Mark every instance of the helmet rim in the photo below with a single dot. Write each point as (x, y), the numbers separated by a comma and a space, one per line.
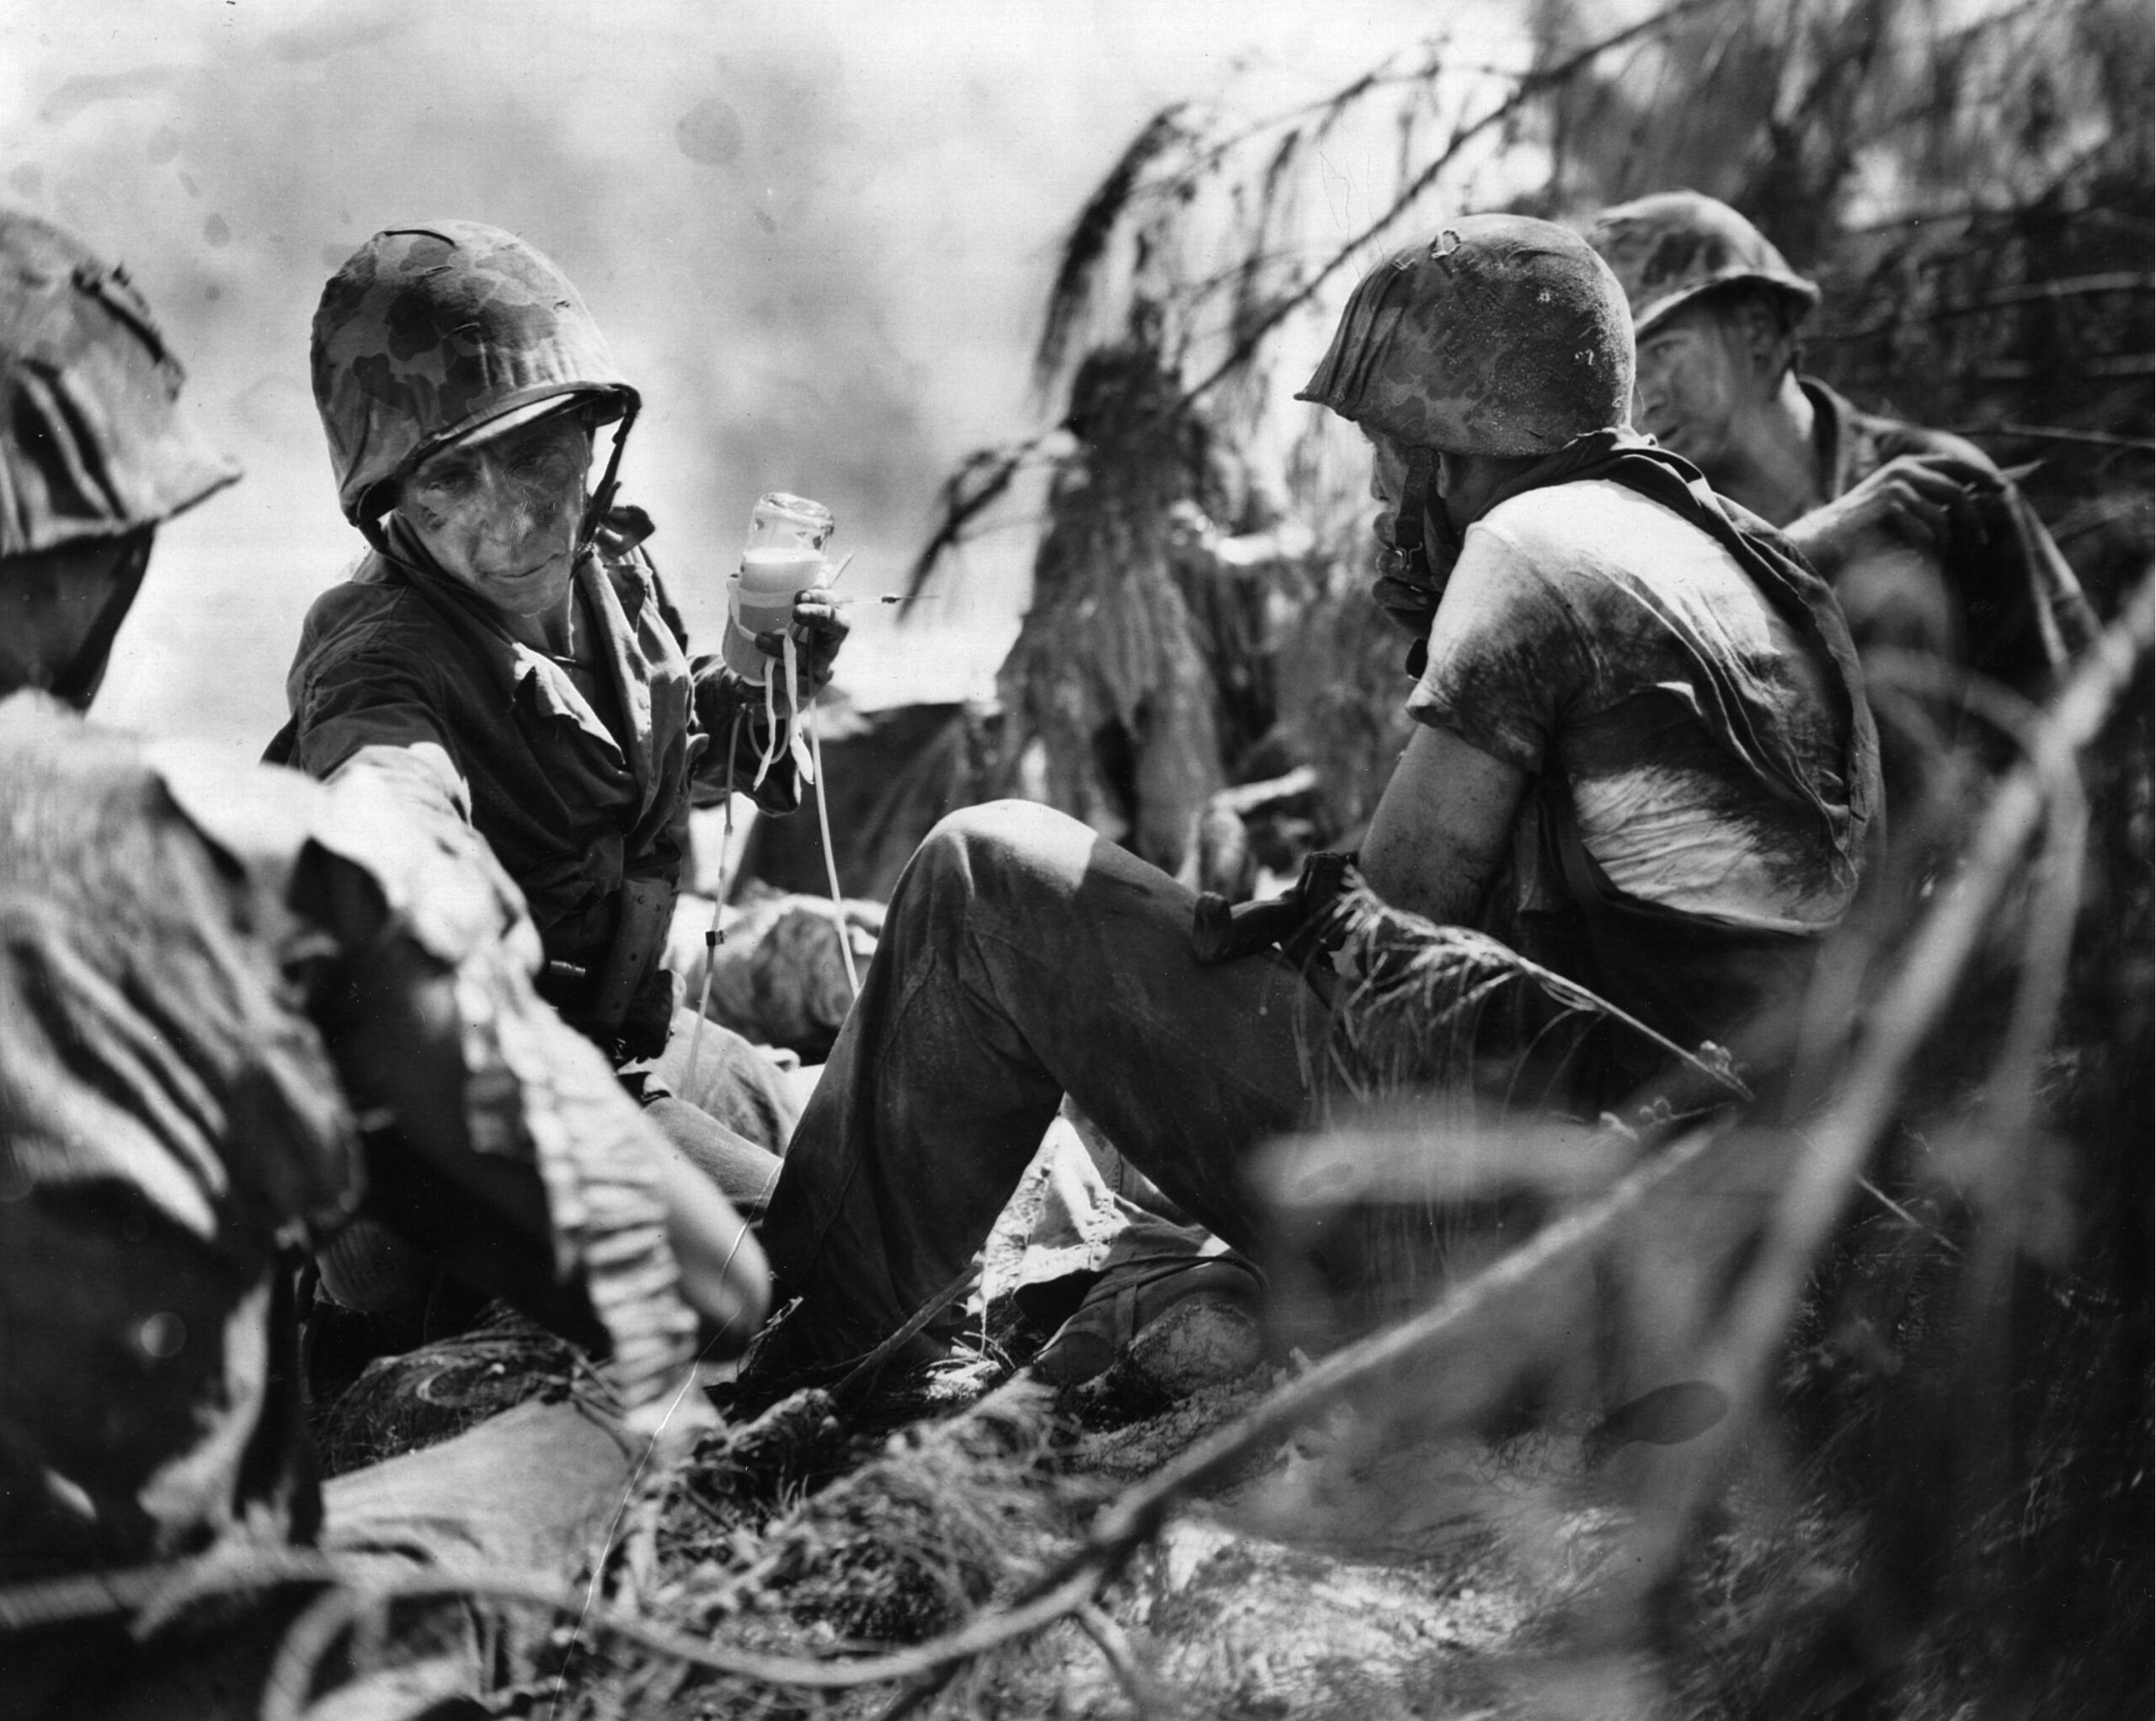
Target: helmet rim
(84, 363)
(1669, 248)
(1499, 334)
(430, 332)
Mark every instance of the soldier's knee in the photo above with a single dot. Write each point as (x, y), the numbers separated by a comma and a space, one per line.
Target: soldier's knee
(995, 849)
(974, 835)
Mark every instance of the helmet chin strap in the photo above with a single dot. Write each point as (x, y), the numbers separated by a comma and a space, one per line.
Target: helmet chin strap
(602, 499)
(594, 508)
(1421, 505)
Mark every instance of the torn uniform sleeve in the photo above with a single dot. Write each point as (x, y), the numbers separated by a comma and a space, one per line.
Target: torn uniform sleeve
(496, 1134)
(1504, 656)
(367, 716)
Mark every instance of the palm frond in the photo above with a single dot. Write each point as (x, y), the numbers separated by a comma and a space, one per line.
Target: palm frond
(981, 478)
(1086, 245)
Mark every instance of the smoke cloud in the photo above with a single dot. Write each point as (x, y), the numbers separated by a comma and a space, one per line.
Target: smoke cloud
(816, 234)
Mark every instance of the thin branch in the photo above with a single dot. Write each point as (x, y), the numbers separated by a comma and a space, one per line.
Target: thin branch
(1530, 87)
(1901, 1021)
(1375, 78)
(1140, 1686)
(2054, 433)
(869, 1369)
(983, 477)
(1908, 1218)
(2121, 280)
(1133, 1517)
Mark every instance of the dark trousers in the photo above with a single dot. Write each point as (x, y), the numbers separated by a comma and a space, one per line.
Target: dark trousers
(1023, 958)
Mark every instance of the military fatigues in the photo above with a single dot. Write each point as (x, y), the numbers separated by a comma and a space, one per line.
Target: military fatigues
(224, 992)
(584, 795)
(2007, 607)
(581, 783)
(241, 1016)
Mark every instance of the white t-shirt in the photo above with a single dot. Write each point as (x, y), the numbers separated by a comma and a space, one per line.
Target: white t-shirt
(1563, 634)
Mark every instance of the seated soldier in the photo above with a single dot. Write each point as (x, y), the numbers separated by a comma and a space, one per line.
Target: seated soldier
(504, 656)
(243, 1012)
(1642, 755)
(1928, 547)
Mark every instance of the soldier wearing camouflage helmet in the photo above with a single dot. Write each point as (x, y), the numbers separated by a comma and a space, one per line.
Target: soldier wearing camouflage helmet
(1927, 545)
(506, 656)
(1641, 757)
(1497, 341)
(426, 335)
(209, 977)
(99, 456)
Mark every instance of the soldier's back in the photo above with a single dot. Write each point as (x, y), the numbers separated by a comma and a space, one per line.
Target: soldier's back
(168, 1121)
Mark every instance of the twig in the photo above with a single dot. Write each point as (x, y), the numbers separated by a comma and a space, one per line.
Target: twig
(2054, 433)
(1375, 78)
(355, 1586)
(981, 478)
(1530, 86)
(864, 1373)
(2028, 293)
(1908, 1218)
(2010, 1104)
(1136, 1514)
(1139, 1685)
(1899, 1023)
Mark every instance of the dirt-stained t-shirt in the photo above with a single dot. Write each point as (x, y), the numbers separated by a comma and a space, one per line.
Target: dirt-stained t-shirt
(1568, 637)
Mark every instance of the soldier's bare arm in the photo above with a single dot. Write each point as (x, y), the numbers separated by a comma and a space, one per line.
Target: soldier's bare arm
(1441, 829)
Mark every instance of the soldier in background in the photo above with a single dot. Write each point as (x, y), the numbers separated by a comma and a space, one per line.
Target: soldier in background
(1642, 756)
(1927, 547)
(244, 1016)
(1141, 681)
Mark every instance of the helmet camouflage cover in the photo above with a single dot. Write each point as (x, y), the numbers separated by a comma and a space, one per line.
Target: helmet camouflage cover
(1670, 248)
(427, 333)
(91, 441)
(1501, 334)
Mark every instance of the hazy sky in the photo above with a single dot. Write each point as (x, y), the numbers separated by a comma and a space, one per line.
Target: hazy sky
(817, 234)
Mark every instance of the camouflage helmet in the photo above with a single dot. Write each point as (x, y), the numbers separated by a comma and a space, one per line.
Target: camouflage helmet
(1669, 248)
(427, 333)
(1501, 334)
(91, 441)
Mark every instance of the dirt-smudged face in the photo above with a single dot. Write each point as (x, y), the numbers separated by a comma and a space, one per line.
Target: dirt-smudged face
(1388, 483)
(500, 514)
(1464, 483)
(1698, 372)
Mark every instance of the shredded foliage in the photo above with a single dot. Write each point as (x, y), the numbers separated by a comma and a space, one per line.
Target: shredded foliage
(1087, 246)
(941, 1521)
